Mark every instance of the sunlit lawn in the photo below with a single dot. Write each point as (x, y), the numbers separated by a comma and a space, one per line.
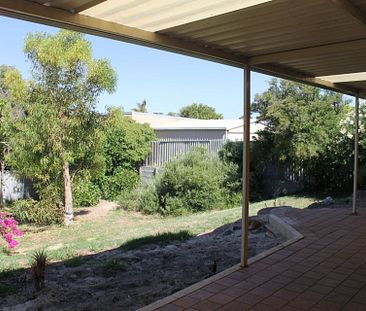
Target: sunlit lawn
(87, 236)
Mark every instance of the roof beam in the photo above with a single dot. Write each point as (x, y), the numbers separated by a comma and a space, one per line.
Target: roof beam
(344, 78)
(293, 75)
(308, 52)
(34, 12)
(350, 8)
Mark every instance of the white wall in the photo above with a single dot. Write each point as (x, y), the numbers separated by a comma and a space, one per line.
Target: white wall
(14, 189)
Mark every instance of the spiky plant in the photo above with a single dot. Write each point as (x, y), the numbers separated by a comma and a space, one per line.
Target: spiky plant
(38, 268)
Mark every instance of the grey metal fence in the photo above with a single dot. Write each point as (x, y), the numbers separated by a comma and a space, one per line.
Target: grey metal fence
(165, 150)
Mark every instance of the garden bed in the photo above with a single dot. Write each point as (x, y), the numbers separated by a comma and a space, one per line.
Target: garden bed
(126, 280)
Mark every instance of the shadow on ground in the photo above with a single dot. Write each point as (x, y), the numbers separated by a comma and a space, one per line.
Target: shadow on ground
(136, 273)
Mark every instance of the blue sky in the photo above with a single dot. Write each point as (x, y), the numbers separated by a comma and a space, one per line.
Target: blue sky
(167, 81)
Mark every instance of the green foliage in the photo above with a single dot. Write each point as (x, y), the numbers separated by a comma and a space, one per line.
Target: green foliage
(113, 185)
(5, 109)
(200, 111)
(44, 212)
(85, 192)
(301, 120)
(142, 198)
(308, 128)
(127, 143)
(38, 269)
(141, 107)
(196, 182)
(232, 153)
(112, 266)
(57, 126)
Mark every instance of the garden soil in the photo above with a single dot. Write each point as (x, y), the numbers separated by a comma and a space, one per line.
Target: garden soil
(128, 280)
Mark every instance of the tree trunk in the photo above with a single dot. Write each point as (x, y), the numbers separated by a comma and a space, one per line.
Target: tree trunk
(2, 174)
(69, 214)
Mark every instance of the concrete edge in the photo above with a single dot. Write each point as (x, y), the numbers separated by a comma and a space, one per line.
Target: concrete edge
(275, 223)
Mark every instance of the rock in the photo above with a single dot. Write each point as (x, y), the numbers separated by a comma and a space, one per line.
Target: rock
(254, 224)
(328, 201)
(324, 203)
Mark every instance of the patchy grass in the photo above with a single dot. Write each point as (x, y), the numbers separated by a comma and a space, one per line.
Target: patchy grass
(113, 266)
(124, 230)
(159, 238)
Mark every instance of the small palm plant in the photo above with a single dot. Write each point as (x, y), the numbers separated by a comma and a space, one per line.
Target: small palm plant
(38, 269)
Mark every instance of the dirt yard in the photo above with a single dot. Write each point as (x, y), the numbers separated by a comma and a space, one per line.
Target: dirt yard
(127, 280)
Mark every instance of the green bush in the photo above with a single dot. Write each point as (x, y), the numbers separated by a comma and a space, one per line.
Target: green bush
(127, 143)
(141, 198)
(85, 193)
(123, 180)
(196, 182)
(44, 212)
(232, 153)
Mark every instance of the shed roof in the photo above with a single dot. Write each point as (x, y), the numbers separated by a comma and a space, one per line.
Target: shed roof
(319, 42)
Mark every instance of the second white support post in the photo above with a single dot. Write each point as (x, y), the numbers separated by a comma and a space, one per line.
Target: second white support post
(356, 155)
(246, 172)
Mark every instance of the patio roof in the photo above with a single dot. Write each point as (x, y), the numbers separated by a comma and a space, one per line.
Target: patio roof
(302, 40)
(318, 42)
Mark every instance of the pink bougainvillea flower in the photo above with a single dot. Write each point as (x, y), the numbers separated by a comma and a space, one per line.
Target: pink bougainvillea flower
(9, 229)
(13, 244)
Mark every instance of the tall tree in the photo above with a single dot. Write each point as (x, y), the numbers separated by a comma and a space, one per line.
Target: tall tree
(126, 145)
(141, 107)
(4, 141)
(307, 127)
(59, 126)
(200, 111)
(300, 119)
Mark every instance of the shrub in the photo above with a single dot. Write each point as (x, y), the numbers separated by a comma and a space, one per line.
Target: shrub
(38, 269)
(196, 182)
(232, 153)
(127, 143)
(85, 193)
(142, 198)
(123, 180)
(44, 212)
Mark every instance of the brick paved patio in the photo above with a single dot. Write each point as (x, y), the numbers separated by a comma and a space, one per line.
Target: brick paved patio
(324, 271)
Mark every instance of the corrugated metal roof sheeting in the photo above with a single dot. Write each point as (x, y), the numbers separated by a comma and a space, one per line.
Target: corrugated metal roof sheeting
(251, 29)
(154, 15)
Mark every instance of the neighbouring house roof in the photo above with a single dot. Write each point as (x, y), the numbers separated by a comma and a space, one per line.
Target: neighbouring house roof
(160, 122)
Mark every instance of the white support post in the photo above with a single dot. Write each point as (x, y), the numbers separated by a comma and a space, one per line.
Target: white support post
(356, 155)
(246, 173)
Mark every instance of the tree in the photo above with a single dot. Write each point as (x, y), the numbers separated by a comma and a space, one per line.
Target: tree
(126, 145)
(306, 126)
(200, 111)
(302, 119)
(4, 143)
(141, 107)
(58, 132)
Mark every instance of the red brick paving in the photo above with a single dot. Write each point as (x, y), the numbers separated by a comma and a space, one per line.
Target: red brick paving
(324, 271)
